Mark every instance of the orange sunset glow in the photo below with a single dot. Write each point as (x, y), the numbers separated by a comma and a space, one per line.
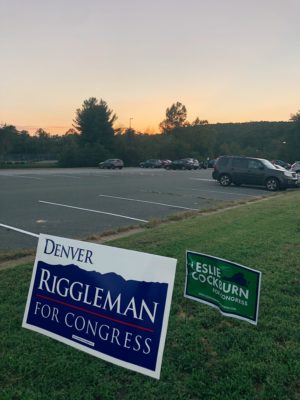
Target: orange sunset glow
(143, 57)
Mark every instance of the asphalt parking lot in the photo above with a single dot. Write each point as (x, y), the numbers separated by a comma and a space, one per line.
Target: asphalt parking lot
(77, 203)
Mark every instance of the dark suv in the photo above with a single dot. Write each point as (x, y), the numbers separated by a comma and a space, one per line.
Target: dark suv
(252, 171)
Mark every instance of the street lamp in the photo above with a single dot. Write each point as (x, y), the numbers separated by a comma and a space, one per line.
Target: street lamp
(130, 122)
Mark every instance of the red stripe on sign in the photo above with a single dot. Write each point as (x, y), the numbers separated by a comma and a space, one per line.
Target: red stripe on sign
(94, 313)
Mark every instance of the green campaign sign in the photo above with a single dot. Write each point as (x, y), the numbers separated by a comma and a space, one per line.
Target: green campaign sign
(231, 288)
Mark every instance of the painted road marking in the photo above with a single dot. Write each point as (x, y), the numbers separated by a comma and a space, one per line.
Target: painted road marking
(21, 176)
(19, 230)
(67, 176)
(202, 179)
(150, 202)
(80, 177)
(95, 211)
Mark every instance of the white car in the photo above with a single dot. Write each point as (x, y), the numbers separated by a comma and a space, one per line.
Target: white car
(112, 163)
(296, 167)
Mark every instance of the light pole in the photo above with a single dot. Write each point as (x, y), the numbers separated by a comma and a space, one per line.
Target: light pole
(130, 122)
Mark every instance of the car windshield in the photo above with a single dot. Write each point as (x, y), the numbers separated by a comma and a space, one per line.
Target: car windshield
(268, 164)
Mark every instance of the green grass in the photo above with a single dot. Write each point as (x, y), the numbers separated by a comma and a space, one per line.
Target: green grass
(207, 356)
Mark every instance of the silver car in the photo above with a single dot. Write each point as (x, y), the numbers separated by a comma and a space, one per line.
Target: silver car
(296, 167)
(112, 163)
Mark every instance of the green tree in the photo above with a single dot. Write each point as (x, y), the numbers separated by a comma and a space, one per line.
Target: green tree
(293, 138)
(128, 147)
(199, 121)
(175, 118)
(295, 117)
(8, 137)
(94, 121)
(43, 141)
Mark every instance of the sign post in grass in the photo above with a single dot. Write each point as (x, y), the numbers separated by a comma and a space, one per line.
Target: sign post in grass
(230, 287)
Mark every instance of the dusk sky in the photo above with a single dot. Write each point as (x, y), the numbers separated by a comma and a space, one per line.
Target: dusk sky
(225, 60)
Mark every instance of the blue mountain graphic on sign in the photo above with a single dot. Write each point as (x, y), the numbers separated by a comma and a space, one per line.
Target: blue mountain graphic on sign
(147, 292)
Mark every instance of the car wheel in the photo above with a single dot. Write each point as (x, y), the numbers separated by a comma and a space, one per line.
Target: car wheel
(272, 184)
(225, 180)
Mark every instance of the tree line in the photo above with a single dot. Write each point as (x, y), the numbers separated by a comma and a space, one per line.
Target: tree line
(94, 139)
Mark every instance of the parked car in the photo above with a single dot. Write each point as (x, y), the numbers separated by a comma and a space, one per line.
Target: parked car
(112, 163)
(194, 162)
(207, 163)
(281, 163)
(295, 167)
(165, 162)
(211, 163)
(184, 163)
(252, 171)
(153, 163)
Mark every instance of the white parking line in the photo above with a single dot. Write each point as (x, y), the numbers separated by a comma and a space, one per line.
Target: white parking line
(67, 176)
(150, 202)
(19, 230)
(21, 176)
(95, 211)
(202, 179)
(79, 177)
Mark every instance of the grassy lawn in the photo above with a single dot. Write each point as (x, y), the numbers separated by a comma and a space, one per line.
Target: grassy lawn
(207, 356)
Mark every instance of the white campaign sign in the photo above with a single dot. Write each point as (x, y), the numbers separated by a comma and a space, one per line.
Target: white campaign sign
(109, 302)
